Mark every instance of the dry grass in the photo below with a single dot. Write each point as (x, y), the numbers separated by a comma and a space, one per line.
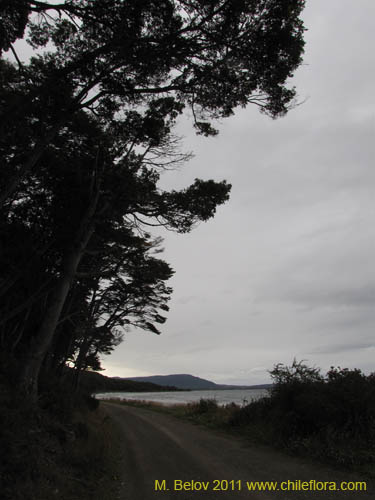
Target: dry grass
(205, 412)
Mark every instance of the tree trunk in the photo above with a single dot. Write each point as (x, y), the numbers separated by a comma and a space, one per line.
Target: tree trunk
(70, 263)
(83, 350)
(29, 377)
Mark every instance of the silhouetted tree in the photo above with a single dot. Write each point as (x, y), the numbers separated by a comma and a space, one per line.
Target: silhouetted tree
(86, 126)
(91, 191)
(109, 55)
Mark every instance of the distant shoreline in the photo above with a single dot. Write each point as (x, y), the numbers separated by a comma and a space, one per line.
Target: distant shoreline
(169, 398)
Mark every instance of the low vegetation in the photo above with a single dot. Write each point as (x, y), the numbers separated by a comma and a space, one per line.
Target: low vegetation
(61, 449)
(205, 411)
(329, 417)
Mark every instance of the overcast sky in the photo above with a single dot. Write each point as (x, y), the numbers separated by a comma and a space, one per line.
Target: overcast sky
(286, 268)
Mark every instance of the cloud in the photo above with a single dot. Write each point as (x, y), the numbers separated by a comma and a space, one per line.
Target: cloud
(286, 268)
(326, 295)
(337, 348)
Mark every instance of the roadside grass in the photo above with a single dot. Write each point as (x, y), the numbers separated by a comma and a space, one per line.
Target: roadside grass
(205, 412)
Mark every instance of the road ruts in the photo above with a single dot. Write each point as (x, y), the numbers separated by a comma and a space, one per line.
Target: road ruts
(159, 447)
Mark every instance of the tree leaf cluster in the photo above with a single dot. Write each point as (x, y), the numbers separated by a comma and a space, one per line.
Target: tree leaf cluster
(87, 129)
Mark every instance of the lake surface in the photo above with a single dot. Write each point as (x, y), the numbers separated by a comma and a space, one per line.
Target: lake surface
(238, 396)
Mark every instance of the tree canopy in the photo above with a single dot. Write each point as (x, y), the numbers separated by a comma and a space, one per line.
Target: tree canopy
(86, 130)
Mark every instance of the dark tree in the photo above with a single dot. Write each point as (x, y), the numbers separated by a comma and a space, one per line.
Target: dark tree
(86, 128)
(109, 55)
(92, 191)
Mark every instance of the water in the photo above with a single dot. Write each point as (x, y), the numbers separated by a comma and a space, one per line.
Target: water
(238, 396)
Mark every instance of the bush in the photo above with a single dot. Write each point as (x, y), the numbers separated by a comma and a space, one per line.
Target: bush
(253, 412)
(39, 442)
(203, 406)
(330, 416)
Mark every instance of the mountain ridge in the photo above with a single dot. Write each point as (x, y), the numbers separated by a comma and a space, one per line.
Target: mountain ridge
(191, 382)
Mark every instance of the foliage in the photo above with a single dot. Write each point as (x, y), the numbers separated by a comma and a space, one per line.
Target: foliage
(203, 406)
(109, 57)
(80, 221)
(86, 131)
(56, 450)
(205, 412)
(331, 417)
(297, 373)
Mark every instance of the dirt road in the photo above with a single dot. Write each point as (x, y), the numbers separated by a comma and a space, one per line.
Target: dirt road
(190, 462)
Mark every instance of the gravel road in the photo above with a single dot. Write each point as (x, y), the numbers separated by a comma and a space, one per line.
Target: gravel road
(157, 447)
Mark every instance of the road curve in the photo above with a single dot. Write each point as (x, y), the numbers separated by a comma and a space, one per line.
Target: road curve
(158, 447)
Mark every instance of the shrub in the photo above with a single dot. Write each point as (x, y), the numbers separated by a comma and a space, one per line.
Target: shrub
(203, 406)
(330, 416)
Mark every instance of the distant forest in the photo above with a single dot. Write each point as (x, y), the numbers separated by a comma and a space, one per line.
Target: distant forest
(91, 382)
(87, 128)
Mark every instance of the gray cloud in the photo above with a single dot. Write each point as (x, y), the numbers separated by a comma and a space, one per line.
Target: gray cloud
(337, 348)
(286, 268)
(327, 295)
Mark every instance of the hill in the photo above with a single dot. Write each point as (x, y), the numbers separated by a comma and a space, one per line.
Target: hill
(95, 382)
(185, 381)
